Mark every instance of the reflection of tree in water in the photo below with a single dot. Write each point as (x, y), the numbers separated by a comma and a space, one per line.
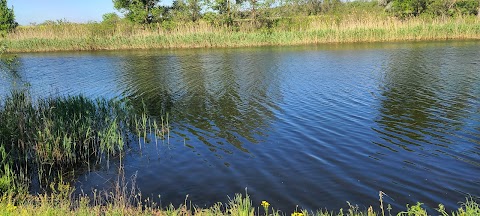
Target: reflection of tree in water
(10, 77)
(143, 85)
(426, 98)
(218, 97)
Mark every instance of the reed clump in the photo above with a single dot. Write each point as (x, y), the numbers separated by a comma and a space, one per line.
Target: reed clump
(350, 26)
(50, 137)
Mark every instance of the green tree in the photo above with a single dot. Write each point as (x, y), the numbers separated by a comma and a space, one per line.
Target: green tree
(186, 10)
(467, 7)
(110, 18)
(260, 11)
(140, 11)
(441, 7)
(7, 18)
(225, 6)
(179, 10)
(194, 8)
(221, 6)
(406, 8)
(227, 9)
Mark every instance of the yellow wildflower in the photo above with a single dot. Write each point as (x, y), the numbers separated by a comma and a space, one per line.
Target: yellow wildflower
(297, 214)
(265, 204)
(11, 207)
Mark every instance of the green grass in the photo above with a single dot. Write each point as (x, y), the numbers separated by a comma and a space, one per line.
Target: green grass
(125, 201)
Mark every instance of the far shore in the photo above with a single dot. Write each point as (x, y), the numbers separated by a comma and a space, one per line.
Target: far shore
(321, 29)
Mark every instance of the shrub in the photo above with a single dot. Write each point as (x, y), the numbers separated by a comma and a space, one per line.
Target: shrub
(467, 7)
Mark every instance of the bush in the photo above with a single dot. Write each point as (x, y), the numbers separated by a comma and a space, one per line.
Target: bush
(407, 8)
(211, 18)
(467, 7)
(441, 8)
(110, 19)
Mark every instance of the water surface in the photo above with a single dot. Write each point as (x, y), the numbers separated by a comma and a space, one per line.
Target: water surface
(313, 126)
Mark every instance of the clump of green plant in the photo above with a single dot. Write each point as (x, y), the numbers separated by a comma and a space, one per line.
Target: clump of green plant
(53, 136)
(241, 206)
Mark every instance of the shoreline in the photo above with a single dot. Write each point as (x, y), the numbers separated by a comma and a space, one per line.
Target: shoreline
(318, 30)
(53, 50)
(120, 201)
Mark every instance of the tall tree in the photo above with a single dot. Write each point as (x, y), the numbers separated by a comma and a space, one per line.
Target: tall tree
(194, 7)
(186, 9)
(139, 11)
(405, 8)
(228, 9)
(7, 18)
(225, 6)
(254, 7)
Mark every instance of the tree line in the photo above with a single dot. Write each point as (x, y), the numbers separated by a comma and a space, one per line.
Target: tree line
(220, 11)
(150, 11)
(409, 8)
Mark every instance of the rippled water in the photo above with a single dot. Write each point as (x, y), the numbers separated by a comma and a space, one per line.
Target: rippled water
(313, 126)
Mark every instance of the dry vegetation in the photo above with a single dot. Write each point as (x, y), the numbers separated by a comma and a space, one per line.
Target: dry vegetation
(359, 26)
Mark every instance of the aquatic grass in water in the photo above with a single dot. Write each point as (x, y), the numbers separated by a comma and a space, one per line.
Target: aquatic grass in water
(56, 135)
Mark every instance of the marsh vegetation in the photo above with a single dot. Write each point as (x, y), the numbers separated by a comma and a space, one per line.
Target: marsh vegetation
(50, 138)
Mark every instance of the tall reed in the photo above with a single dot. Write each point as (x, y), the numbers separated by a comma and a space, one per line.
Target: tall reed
(56, 135)
(355, 26)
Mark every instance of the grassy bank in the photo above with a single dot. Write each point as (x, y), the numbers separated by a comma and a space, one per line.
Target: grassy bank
(354, 26)
(123, 201)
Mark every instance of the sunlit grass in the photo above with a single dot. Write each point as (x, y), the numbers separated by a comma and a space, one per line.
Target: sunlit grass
(124, 201)
(357, 26)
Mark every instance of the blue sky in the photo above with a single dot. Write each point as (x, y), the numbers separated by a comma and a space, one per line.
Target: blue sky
(29, 11)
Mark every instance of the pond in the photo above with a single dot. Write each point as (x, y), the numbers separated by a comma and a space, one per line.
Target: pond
(313, 126)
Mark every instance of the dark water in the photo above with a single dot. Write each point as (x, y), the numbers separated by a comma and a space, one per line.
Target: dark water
(313, 126)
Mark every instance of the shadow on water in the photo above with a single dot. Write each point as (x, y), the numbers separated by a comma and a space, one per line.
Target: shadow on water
(216, 98)
(428, 113)
(427, 98)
